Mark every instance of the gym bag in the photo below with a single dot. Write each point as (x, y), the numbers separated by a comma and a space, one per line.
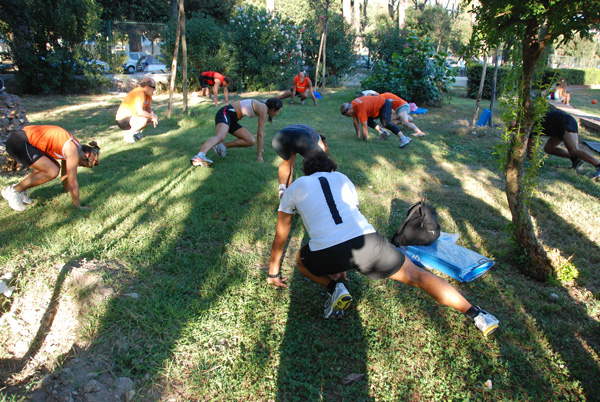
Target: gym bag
(420, 228)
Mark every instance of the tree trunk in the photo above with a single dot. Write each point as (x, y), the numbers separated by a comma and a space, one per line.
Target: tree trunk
(480, 93)
(174, 63)
(135, 39)
(401, 13)
(494, 81)
(184, 54)
(319, 60)
(524, 232)
(347, 11)
(325, 47)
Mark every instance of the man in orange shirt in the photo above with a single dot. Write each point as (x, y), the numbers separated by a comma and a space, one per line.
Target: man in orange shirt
(135, 113)
(401, 110)
(215, 80)
(301, 86)
(365, 110)
(38, 147)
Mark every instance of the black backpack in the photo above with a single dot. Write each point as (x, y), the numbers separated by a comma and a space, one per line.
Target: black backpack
(420, 228)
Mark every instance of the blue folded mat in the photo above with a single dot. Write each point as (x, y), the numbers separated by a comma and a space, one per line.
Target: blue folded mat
(317, 95)
(419, 110)
(446, 256)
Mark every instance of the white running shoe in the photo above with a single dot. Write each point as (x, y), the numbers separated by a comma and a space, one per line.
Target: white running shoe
(201, 160)
(486, 322)
(137, 136)
(404, 141)
(338, 302)
(14, 198)
(25, 197)
(128, 138)
(220, 150)
(384, 135)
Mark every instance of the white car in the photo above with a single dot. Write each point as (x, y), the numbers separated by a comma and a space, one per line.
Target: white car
(152, 64)
(132, 61)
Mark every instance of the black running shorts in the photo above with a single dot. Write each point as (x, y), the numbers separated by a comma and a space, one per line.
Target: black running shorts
(296, 139)
(124, 123)
(18, 146)
(371, 255)
(228, 115)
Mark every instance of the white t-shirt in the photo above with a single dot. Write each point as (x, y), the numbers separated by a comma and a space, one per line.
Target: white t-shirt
(306, 197)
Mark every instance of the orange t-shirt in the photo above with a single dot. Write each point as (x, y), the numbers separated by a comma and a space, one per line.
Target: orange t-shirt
(367, 106)
(396, 100)
(301, 86)
(127, 108)
(51, 140)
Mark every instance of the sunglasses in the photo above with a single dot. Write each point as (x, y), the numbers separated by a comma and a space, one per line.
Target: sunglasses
(152, 87)
(346, 111)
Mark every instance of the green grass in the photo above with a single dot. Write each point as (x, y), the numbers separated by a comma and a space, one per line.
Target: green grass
(194, 244)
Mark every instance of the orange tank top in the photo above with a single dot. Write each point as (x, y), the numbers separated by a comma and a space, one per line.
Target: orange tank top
(51, 140)
(301, 86)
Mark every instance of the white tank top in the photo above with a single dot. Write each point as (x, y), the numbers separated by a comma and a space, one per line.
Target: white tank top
(246, 106)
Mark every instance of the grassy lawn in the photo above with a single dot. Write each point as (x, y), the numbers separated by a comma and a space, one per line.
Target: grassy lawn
(194, 244)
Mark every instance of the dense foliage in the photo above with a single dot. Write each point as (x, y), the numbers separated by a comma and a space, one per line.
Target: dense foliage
(45, 38)
(413, 71)
(340, 45)
(474, 71)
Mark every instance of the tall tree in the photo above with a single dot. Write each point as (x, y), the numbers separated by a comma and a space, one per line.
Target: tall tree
(539, 23)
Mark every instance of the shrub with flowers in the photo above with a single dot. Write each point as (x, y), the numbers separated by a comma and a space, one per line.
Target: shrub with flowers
(409, 67)
(266, 49)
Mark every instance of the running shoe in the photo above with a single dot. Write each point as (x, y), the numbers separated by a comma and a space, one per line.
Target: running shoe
(137, 136)
(486, 322)
(201, 160)
(25, 197)
(220, 150)
(597, 174)
(384, 135)
(14, 198)
(338, 302)
(404, 141)
(576, 162)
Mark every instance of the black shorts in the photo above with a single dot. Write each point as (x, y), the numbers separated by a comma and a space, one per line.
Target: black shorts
(298, 139)
(555, 123)
(203, 83)
(300, 94)
(18, 146)
(228, 115)
(124, 123)
(371, 255)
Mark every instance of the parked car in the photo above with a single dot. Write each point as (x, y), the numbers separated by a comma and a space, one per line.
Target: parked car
(151, 64)
(101, 65)
(132, 62)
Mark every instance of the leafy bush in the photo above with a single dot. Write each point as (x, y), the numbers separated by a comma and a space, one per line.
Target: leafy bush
(206, 48)
(414, 71)
(340, 42)
(265, 48)
(474, 71)
(586, 76)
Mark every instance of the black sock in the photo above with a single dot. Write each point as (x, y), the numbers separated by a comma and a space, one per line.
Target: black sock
(472, 312)
(331, 287)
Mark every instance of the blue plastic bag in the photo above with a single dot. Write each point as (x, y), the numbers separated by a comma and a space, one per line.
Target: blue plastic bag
(446, 256)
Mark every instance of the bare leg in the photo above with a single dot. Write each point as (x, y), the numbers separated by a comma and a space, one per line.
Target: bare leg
(435, 286)
(44, 170)
(244, 139)
(221, 131)
(571, 141)
(137, 123)
(286, 170)
(406, 122)
(286, 94)
(321, 280)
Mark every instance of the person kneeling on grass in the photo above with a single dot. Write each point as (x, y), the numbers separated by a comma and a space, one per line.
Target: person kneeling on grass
(134, 113)
(226, 121)
(341, 239)
(36, 147)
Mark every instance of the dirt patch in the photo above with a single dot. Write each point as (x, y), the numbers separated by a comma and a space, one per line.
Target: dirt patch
(43, 328)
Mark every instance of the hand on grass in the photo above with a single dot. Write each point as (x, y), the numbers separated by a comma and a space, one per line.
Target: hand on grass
(278, 282)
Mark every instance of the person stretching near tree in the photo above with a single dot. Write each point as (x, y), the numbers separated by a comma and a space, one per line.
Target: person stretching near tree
(562, 128)
(226, 121)
(401, 109)
(215, 80)
(301, 86)
(365, 110)
(37, 147)
(291, 140)
(341, 239)
(134, 113)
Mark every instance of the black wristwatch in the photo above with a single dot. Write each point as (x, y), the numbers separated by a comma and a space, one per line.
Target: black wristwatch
(277, 275)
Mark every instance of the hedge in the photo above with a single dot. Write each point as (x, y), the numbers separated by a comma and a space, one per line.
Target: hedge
(474, 78)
